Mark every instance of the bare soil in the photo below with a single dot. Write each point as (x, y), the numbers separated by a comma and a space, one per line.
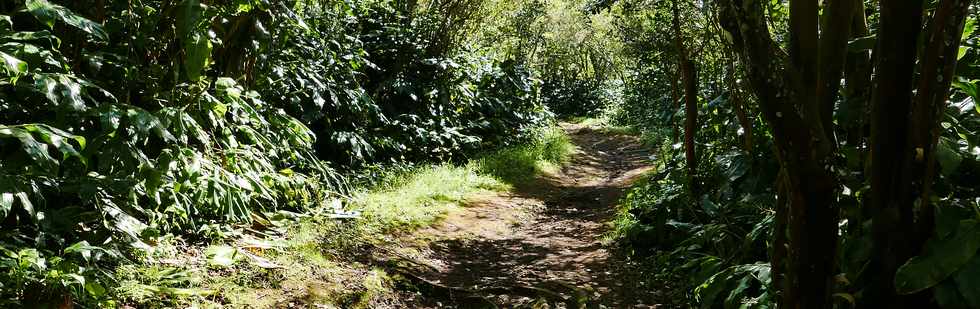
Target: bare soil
(547, 234)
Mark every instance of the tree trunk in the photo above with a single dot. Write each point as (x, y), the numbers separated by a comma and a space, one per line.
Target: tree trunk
(675, 95)
(905, 130)
(778, 255)
(787, 93)
(836, 26)
(891, 102)
(691, 121)
(739, 106)
(936, 69)
(689, 75)
(857, 83)
(799, 107)
(743, 120)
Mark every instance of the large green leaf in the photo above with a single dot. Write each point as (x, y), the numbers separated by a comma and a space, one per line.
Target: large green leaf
(84, 249)
(222, 256)
(37, 151)
(970, 87)
(37, 57)
(968, 282)
(57, 138)
(949, 159)
(6, 204)
(61, 89)
(197, 55)
(962, 52)
(145, 122)
(6, 24)
(44, 36)
(942, 257)
(35, 139)
(48, 13)
(12, 66)
(189, 14)
(948, 296)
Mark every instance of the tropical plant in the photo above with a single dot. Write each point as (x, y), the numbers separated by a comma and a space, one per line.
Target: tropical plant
(857, 170)
(122, 122)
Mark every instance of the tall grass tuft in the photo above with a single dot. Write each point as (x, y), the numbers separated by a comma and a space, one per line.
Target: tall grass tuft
(550, 149)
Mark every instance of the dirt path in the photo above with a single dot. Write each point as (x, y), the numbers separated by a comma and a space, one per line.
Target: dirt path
(548, 234)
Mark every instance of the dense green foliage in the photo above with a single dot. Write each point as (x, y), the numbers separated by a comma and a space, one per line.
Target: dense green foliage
(121, 122)
(719, 240)
(569, 45)
(125, 123)
(388, 89)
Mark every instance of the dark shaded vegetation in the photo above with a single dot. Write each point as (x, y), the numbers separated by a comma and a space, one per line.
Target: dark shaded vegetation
(830, 159)
(122, 122)
(812, 154)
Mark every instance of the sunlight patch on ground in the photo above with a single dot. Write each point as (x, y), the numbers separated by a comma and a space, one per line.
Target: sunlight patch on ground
(319, 261)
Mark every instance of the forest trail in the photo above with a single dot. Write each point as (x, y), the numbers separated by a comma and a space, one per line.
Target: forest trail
(546, 236)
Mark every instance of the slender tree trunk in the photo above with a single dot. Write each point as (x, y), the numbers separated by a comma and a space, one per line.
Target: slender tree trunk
(905, 131)
(739, 106)
(689, 75)
(99, 11)
(903, 138)
(691, 121)
(743, 120)
(857, 82)
(936, 69)
(778, 255)
(836, 26)
(891, 102)
(675, 95)
(786, 90)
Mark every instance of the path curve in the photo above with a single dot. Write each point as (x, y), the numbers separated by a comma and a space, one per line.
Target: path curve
(548, 232)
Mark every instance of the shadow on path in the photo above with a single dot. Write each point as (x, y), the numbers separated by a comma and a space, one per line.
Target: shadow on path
(550, 230)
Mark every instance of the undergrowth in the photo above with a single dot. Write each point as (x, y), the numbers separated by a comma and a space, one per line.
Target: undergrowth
(710, 248)
(518, 165)
(303, 260)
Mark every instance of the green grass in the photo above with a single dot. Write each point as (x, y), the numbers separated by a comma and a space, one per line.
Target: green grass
(317, 254)
(422, 198)
(518, 165)
(604, 125)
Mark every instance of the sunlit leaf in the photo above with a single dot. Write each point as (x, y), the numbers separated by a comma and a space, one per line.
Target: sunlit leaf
(62, 90)
(969, 26)
(197, 55)
(95, 289)
(6, 24)
(6, 203)
(48, 13)
(942, 257)
(26, 204)
(13, 67)
(36, 150)
(145, 122)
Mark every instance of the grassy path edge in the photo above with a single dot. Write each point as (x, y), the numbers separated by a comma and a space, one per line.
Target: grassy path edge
(317, 262)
